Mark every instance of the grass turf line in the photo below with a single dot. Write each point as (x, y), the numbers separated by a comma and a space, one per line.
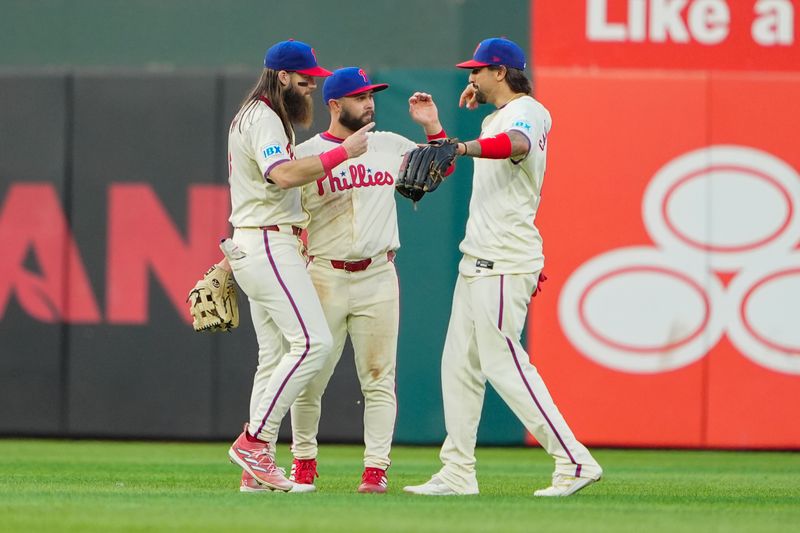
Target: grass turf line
(131, 486)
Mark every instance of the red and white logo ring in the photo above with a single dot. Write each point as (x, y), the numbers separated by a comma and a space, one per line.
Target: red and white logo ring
(656, 309)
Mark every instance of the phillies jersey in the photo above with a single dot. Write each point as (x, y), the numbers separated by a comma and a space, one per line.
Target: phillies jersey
(257, 143)
(352, 208)
(501, 237)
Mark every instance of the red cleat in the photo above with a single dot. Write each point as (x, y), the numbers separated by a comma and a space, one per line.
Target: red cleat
(256, 459)
(373, 481)
(249, 484)
(303, 473)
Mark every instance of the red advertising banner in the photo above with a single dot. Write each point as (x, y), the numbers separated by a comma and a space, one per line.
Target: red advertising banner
(668, 34)
(671, 221)
(671, 237)
(142, 240)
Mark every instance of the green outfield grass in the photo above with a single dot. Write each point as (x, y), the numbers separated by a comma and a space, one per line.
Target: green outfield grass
(113, 486)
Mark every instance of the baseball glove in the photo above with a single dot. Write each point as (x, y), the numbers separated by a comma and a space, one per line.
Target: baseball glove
(212, 302)
(423, 168)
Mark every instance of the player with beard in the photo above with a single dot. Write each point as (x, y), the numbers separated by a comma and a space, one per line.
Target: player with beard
(352, 240)
(498, 274)
(265, 253)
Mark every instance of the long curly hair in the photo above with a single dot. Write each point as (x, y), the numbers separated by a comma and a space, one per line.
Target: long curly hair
(270, 87)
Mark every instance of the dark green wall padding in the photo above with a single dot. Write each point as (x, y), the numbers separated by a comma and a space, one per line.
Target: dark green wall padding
(216, 33)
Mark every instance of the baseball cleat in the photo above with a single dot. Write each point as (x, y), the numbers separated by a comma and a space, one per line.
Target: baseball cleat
(565, 485)
(303, 473)
(249, 484)
(256, 459)
(436, 487)
(373, 481)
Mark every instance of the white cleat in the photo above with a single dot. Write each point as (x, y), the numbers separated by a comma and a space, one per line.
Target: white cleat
(436, 487)
(303, 487)
(565, 486)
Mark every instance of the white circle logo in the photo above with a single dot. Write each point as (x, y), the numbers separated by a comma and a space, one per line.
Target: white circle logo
(729, 204)
(764, 315)
(641, 310)
(656, 309)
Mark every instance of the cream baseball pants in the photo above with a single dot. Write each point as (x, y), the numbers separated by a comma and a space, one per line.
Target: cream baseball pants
(365, 305)
(483, 344)
(294, 341)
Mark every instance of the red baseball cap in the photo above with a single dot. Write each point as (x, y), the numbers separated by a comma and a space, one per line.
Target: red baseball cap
(294, 56)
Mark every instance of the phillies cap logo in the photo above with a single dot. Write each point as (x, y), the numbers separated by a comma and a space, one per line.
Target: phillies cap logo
(348, 81)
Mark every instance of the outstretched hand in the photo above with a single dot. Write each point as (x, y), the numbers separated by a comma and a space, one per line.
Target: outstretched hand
(356, 144)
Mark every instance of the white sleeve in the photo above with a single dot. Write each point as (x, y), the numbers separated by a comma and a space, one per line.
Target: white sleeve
(269, 144)
(527, 123)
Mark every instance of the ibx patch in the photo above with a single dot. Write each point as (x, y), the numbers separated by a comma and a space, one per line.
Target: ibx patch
(271, 150)
(522, 124)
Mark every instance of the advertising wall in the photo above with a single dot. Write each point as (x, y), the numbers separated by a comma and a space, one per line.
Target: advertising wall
(671, 220)
(670, 217)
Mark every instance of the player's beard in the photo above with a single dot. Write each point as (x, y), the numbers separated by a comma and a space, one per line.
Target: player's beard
(480, 96)
(300, 107)
(354, 123)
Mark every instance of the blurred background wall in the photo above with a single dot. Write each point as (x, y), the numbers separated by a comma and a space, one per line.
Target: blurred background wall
(670, 213)
(113, 195)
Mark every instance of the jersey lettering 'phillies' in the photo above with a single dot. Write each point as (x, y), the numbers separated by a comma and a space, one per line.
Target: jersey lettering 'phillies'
(356, 176)
(352, 208)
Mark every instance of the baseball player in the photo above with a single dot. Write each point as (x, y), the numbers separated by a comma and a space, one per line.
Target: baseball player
(352, 240)
(265, 252)
(498, 274)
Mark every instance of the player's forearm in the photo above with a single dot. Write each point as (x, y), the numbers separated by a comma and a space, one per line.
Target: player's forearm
(439, 134)
(502, 146)
(297, 172)
(433, 129)
(520, 144)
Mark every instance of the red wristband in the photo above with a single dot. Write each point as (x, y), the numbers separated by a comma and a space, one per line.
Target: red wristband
(497, 147)
(440, 135)
(333, 158)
